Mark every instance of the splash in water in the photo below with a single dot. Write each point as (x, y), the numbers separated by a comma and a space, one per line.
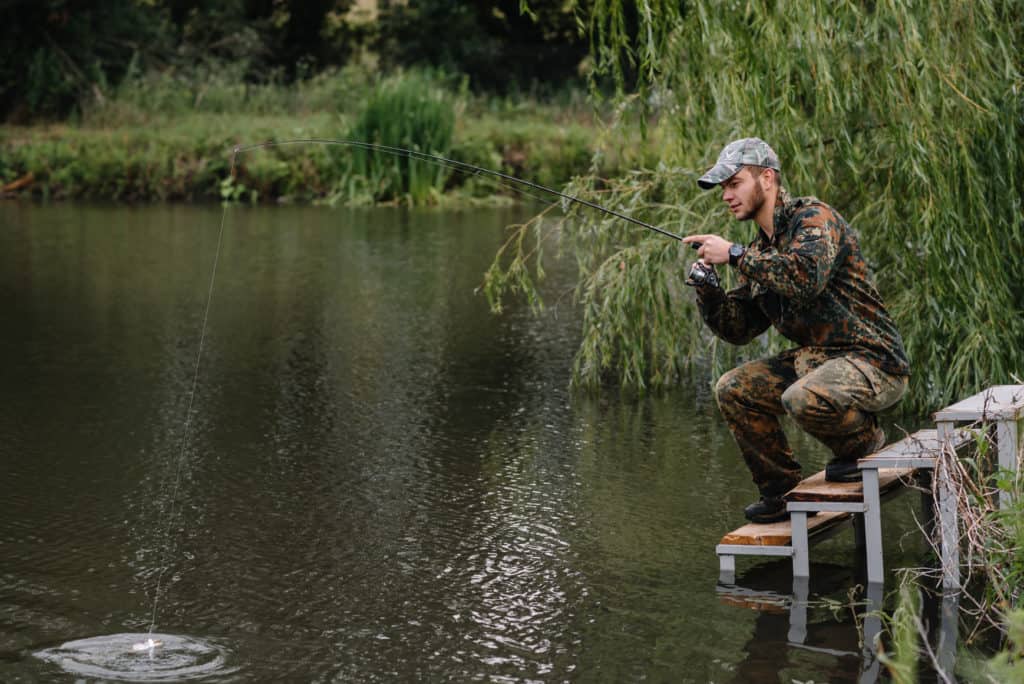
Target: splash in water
(140, 658)
(147, 645)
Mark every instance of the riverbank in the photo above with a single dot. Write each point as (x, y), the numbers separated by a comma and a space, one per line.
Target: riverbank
(148, 144)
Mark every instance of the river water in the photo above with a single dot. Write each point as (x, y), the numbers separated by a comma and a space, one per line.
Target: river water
(380, 479)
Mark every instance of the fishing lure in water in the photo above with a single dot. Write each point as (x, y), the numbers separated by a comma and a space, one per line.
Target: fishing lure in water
(147, 645)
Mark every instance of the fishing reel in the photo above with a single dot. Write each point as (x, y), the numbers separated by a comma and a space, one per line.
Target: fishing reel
(703, 275)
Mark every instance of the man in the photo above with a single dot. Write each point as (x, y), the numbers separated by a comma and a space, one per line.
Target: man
(804, 274)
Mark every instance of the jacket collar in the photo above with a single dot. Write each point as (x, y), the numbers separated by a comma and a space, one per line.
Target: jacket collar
(785, 205)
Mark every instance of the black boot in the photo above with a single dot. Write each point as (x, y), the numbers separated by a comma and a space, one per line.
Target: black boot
(768, 510)
(846, 470)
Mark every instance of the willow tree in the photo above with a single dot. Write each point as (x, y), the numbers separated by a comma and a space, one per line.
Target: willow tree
(906, 116)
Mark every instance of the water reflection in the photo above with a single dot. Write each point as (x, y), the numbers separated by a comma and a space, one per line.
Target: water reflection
(381, 480)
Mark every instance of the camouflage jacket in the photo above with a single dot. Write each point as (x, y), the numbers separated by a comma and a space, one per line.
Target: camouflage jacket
(811, 282)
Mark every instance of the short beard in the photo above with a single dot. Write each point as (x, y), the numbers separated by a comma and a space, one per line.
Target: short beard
(758, 203)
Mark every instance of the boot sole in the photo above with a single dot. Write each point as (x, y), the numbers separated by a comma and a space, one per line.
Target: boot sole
(845, 479)
(778, 517)
(767, 519)
(844, 476)
(855, 476)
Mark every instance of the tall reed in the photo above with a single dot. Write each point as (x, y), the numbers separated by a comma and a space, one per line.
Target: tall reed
(410, 111)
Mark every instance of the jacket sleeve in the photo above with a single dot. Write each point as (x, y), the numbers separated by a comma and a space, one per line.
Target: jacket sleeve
(732, 315)
(803, 271)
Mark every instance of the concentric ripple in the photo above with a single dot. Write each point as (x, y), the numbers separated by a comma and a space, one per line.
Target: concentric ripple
(114, 657)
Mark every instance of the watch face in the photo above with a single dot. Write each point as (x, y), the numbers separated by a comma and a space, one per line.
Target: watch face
(735, 252)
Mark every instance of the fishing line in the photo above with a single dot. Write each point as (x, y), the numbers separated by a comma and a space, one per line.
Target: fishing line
(516, 184)
(188, 417)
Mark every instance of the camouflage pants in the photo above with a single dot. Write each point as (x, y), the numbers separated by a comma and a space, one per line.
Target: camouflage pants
(832, 398)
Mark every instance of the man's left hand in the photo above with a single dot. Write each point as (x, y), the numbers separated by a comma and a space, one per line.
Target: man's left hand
(713, 249)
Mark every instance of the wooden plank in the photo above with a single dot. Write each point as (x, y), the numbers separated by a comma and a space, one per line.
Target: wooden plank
(780, 533)
(815, 488)
(921, 443)
(1002, 402)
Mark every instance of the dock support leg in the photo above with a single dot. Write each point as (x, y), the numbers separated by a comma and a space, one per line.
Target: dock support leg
(873, 526)
(858, 532)
(1007, 440)
(873, 607)
(798, 611)
(727, 569)
(948, 516)
(801, 550)
(924, 481)
(948, 634)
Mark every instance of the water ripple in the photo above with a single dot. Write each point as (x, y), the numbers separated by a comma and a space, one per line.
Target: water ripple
(116, 657)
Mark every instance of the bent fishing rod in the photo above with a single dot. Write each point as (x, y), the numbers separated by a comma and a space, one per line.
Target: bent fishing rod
(455, 164)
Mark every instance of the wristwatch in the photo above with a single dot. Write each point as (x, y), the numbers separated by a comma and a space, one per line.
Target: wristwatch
(736, 252)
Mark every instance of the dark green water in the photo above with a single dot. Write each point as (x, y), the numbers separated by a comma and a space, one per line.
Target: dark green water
(382, 480)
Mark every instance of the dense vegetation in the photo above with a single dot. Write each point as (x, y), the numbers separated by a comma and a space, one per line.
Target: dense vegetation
(908, 118)
(139, 100)
(61, 56)
(154, 140)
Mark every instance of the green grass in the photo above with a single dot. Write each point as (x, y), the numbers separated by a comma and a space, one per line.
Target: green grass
(165, 139)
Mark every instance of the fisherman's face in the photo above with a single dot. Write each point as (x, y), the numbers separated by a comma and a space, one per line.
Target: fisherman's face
(744, 194)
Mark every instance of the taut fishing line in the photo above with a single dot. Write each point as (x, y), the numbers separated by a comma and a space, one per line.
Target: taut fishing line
(517, 184)
(152, 656)
(148, 656)
(150, 643)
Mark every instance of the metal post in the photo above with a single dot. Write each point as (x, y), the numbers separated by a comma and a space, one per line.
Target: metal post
(871, 667)
(873, 525)
(798, 610)
(727, 569)
(948, 516)
(858, 532)
(949, 627)
(801, 549)
(1007, 440)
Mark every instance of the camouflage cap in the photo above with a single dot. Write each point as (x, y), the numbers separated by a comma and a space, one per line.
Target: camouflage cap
(736, 155)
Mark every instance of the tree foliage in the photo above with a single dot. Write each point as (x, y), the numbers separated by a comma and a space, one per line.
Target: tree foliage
(496, 44)
(908, 117)
(60, 53)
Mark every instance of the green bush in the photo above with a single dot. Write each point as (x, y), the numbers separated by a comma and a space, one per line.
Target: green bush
(410, 111)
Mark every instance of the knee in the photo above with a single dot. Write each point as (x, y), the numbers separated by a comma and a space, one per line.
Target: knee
(801, 402)
(728, 389)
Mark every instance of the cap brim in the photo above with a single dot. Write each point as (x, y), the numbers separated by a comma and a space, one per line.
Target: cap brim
(717, 174)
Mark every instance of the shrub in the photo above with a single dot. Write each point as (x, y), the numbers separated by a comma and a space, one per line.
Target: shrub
(410, 111)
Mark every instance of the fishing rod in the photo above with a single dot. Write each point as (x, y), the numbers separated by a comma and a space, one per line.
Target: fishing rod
(455, 164)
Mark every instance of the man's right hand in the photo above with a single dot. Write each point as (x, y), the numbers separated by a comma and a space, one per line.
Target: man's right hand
(713, 248)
